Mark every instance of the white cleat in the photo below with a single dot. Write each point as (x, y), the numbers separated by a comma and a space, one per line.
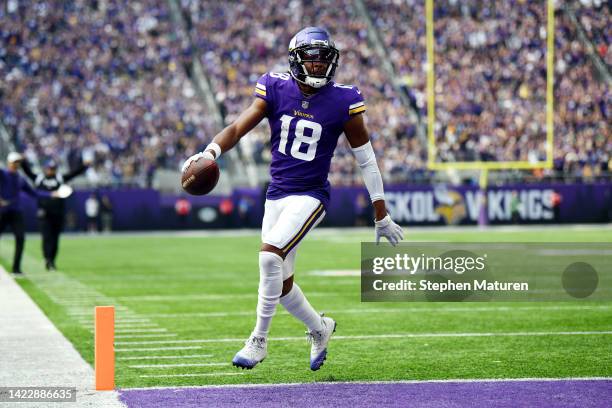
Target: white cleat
(319, 339)
(254, 352)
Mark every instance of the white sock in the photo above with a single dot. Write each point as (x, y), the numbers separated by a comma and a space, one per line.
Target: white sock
(270, 289)
(296, 303)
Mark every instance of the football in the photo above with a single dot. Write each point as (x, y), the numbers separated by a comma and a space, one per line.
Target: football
(200, 177)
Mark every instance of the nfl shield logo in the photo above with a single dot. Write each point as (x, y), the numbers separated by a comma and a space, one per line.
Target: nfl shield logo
(305, 104)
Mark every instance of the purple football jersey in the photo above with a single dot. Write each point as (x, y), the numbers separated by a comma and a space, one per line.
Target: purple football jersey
(305, 131)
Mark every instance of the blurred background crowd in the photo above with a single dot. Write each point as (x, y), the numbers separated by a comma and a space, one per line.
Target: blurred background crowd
(106, 76)
(113, 79)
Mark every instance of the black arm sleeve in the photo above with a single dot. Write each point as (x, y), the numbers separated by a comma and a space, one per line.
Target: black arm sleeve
(27, 169)
(74, 173)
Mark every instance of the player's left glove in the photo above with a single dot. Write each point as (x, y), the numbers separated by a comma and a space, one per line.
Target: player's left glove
(206, 155)
(388, 229)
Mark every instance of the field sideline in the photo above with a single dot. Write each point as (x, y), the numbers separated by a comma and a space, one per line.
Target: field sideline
(186, 302)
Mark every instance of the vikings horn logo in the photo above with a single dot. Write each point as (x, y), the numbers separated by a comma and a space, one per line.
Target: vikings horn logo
(451, 206)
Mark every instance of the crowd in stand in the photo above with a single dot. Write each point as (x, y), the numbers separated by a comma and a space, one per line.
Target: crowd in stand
(104, 76)
(595, 17)
(490, 71)
(113, 77)
(583, 108)
(490, 81)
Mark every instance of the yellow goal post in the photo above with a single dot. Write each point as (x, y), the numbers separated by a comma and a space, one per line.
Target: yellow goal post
(432, 164)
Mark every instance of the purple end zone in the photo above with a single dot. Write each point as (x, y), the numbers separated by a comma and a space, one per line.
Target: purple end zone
(530, 393)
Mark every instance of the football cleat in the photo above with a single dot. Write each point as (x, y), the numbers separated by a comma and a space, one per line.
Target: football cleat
(253, 352)
(318, 340)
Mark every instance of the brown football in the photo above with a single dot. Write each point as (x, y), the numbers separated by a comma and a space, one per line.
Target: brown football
(200, 177)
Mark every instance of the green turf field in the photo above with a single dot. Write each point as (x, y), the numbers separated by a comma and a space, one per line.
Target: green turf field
(192, 300)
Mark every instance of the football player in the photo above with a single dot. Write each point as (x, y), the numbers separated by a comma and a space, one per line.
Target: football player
(307, 113)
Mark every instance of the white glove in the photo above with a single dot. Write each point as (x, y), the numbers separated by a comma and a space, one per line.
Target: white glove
(388, 229)
(206, 155)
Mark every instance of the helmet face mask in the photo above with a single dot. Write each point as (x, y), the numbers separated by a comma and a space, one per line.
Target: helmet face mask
(313, 47)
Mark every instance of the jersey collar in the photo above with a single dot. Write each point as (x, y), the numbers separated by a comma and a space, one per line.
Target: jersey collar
(297, 93)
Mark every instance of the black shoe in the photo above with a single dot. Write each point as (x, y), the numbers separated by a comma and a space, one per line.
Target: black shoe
(50, 266)
(17, 273)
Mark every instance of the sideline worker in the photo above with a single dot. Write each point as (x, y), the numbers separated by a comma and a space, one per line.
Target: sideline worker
(51, 210)
(11, 185)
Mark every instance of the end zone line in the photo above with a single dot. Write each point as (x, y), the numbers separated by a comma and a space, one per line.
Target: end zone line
(331, 384)
(380, 336)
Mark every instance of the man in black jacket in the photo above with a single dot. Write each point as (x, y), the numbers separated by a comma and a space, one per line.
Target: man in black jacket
(51, 210)
(11, 215)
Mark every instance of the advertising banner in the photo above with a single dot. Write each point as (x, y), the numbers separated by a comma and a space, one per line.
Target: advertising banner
(147, 209)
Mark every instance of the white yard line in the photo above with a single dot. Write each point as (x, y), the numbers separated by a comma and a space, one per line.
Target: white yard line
(381, 336)
(178, 365)
(127, 350)
(119, 319)
(69, 292)
(120, 324)
(89, 313)
(157, 329)
(468, 309)
(204, 296)
(188, 375)
(368, 232)
(164, 357)
(144, 336)
(206, 314)
(37, 354)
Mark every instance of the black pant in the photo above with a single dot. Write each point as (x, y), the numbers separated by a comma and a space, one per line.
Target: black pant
(14, 218)
(51, 227)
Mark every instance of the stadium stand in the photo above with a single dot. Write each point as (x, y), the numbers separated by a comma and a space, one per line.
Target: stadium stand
(595, 18)
(117, 80)
(104, 75)
(583, 108)
(490, 81)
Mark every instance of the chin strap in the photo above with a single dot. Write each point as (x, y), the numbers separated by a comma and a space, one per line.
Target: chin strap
(316, 82)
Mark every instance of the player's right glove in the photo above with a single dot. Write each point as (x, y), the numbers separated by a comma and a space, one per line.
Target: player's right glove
(214, 147)
(206, 155)
(388, 229)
